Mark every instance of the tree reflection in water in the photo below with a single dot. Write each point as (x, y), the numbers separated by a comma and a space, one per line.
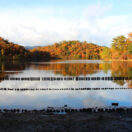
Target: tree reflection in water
(11, 67)
(117, 69)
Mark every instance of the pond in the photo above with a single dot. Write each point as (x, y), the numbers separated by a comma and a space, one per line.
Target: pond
(39, 94)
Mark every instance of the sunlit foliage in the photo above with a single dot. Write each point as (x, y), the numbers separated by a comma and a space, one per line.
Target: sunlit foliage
(72, 49)
(121, 49)
(9, 50)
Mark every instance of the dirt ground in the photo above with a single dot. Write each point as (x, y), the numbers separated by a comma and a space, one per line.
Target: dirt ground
(71, 122)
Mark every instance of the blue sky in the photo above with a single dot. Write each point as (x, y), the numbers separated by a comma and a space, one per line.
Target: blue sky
(42, 22)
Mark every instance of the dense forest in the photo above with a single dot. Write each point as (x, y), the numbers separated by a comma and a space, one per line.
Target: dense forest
(9, 50)
(71, 49)
(121, 49)
(64, 49)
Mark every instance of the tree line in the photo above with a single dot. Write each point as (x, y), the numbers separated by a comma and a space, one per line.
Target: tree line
(121, 49)
(11, 51)
(71, 49)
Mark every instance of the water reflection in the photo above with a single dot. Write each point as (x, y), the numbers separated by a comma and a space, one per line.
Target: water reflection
(80, 98)
(69, 69)
(76, 99)
(118, 69)
(72, 68)
(9, 68)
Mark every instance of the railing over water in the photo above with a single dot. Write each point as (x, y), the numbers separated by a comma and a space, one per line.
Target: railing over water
(61, 89)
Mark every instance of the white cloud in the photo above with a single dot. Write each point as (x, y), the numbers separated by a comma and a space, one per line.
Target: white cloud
(96, 10)
(43, 26)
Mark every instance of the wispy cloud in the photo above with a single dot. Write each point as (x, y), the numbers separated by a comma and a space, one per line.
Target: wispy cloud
(41, 26)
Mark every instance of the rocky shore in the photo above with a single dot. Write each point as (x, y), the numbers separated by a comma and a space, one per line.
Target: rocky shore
(81, 121)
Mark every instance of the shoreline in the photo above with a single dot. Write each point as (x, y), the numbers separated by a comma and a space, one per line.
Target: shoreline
(77, 122)
(117, 60)
(59, 59)
(67, 110)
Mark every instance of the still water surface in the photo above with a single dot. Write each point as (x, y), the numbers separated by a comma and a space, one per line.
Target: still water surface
(38, 99)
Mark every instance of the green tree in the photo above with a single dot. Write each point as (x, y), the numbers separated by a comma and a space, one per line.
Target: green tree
(129, 41)
(119, 43)
(130, 48)
(106, 53)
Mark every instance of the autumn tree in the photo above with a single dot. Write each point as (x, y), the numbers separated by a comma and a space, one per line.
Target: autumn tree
(9, 50)
(72, 49)
(129, 41)
(120, 48)
(106, 53)
(119, 43)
